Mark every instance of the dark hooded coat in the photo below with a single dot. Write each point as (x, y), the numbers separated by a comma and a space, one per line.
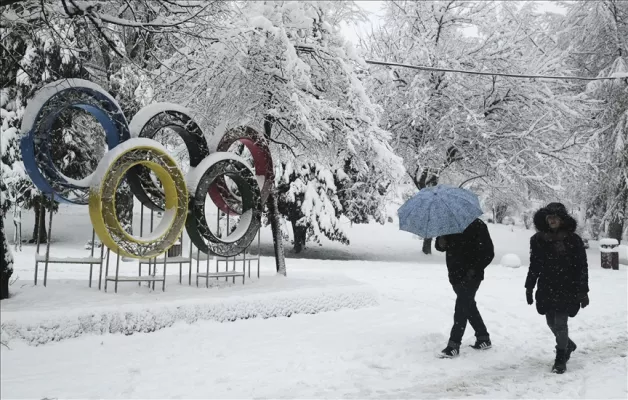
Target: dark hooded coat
(468, 253)
(558, 263)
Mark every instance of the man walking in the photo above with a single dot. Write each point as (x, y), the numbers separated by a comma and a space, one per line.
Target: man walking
(468, 254)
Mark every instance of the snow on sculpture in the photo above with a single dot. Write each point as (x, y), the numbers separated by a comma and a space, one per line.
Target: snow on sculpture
(133, 153)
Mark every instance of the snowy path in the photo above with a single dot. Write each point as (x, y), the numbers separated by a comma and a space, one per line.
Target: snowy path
(384, 352)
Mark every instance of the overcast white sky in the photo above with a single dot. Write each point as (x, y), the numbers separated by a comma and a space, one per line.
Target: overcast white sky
(374, 7)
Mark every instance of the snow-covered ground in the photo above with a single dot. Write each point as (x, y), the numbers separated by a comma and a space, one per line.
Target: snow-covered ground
(380, 342)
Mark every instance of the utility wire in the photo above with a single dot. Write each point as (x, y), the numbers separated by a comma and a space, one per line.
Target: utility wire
(424, 68)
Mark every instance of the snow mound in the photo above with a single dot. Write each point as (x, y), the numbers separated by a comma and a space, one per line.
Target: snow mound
(37, 328)
(511, 261)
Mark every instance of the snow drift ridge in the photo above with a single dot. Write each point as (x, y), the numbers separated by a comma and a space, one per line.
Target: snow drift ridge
(50, 327)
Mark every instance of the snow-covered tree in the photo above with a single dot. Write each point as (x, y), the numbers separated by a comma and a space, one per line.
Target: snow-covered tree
(314, 198)
(485, 132)
(594, 36)
(283, 68)
(308, 199)
(362, 196)
(282, 63)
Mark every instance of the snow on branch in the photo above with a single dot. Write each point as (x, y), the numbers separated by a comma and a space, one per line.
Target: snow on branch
(74, 8)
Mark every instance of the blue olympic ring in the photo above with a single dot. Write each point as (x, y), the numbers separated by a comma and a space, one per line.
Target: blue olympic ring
(36, 149)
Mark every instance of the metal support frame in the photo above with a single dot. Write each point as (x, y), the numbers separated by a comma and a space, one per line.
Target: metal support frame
(218, 274)
(46, 259)
(181, 260)
(245, 257)
(152, 264)
(246, 260)
(255, 256)
(117, 278)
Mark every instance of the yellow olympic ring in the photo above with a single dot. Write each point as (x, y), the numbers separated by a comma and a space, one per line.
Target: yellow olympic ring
(102, 207)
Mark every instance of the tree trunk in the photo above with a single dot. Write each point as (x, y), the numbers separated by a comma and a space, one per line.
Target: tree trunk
(39, 230)
(616, 229)
(273, 211)
(427, 246)
(593, 214)
(616, 225)
(527, 220)
(4, 286)
(36, 227)
(500, 213)
(595, 223)
(300, 235)
(6, 263)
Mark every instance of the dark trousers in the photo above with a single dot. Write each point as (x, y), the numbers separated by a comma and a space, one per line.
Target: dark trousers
(557, 322)
(467, 310)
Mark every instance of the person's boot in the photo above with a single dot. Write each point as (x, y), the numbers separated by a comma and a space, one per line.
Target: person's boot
(560, 365)
(482, 344)
(571, 347)
(452, 350)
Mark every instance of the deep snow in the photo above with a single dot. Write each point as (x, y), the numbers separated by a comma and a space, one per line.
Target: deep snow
(383, 351)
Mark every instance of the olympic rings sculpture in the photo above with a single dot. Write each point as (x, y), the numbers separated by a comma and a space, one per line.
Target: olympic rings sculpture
(133, 153)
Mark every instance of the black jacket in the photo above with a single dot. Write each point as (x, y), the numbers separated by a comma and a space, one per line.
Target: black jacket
(468, 253)
(558, 262)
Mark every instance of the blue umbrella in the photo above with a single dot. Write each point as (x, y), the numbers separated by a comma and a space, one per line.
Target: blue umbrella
(439, 210)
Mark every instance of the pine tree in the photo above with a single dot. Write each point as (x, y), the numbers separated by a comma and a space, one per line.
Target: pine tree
(308, 199)
(362, 196)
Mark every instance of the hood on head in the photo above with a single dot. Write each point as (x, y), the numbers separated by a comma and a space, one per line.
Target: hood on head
(540, 222)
